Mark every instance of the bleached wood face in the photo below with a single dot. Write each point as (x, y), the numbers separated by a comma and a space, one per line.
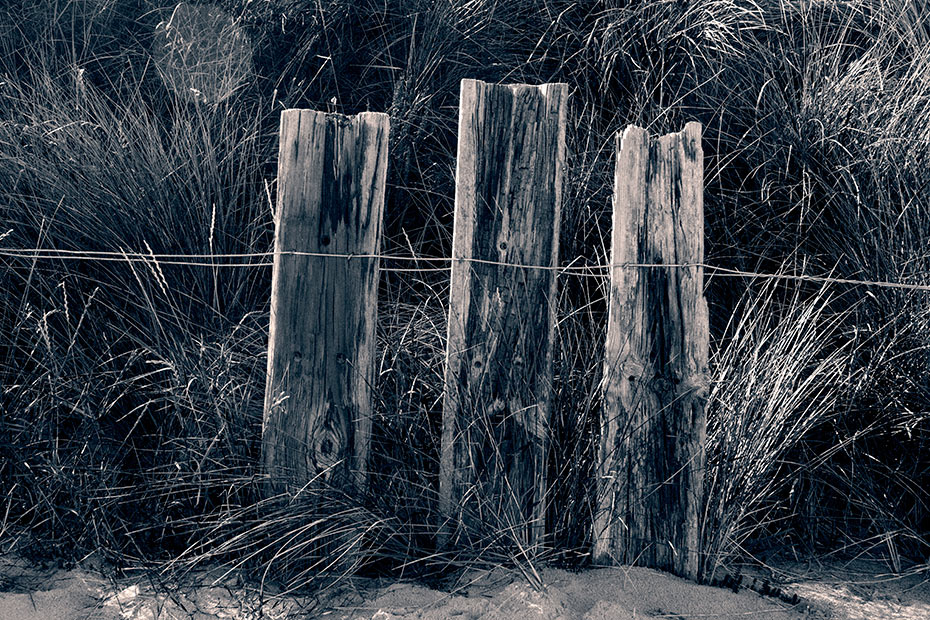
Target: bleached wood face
(321, 350)
(511, 159)
(651, 460)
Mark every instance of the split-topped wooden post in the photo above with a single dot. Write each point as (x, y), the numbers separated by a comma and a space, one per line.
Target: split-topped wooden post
(651, 460)
(498, 380)
(321, 345)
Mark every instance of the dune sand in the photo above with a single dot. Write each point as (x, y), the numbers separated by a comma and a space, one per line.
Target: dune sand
(31, 593)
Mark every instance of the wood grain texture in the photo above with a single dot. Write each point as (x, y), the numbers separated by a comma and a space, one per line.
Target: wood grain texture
(498, 382)
(651, 461)
(321, 344)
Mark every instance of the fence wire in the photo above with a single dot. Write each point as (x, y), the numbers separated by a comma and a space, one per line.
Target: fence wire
(587, 270)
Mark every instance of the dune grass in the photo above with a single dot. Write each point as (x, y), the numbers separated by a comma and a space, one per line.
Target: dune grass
(130, 414)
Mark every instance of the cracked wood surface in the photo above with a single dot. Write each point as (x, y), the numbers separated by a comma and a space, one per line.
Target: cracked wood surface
(321, 345)
(651, 461)
(498, 381)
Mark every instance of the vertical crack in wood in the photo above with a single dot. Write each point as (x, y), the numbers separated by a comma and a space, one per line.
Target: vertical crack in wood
(650, 472)
(501, 319)
(317, 417)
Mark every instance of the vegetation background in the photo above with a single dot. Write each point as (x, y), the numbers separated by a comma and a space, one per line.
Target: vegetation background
(130, 411)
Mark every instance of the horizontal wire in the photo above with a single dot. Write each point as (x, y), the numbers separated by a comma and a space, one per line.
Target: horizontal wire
(724, 271)
(596, 270)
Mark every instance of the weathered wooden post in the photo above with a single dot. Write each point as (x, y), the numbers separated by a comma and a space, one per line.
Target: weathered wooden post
(498, 380)
(655, 374)
(321, 345)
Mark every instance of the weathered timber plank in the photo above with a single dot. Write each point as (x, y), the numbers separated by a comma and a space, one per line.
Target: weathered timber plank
(651, 460)
(498, 380)
(321, 344)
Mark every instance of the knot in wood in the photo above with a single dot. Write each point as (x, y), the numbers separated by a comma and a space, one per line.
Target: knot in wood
(632, 370)
(328, 450)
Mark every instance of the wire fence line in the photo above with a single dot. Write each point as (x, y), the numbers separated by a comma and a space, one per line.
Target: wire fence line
(595, 270)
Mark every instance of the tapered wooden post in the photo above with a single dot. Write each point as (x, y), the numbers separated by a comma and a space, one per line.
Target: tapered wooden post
(511, 157)
(321, 345)
(655, 375)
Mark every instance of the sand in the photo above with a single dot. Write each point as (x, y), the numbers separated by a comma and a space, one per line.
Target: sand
(28, 592)
(601, 594)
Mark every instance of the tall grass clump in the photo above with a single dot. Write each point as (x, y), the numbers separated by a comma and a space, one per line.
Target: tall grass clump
(819, 152)
(783, 370)
(128, 400)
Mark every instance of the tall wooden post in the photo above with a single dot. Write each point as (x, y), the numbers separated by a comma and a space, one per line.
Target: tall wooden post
(655, 374)
(321, 345)
(498, 381)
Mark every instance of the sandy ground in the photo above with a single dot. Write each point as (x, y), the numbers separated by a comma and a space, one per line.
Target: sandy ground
(839, 592)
